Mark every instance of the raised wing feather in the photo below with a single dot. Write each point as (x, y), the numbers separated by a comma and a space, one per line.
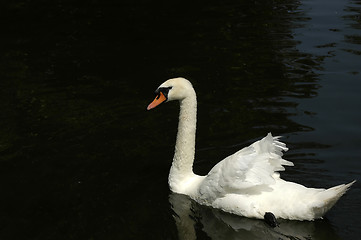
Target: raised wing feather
(253, 167)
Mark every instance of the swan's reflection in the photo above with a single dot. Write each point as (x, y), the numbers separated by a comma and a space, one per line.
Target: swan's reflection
(188, 215)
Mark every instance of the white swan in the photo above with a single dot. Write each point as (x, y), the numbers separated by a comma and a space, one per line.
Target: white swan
(246, 183)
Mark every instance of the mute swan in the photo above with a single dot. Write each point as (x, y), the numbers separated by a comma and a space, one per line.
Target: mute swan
(246, 183)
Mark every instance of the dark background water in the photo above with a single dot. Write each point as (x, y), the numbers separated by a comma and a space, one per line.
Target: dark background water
(81, 158)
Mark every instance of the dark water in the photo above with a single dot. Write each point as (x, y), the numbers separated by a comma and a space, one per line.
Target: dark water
(81, 158)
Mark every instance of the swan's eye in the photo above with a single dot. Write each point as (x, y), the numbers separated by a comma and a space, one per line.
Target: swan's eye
(164, 90)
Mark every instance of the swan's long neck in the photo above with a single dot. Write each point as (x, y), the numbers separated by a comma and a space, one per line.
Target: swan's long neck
(182, 166)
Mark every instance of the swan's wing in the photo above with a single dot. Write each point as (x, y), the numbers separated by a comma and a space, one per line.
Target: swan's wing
(252, 167)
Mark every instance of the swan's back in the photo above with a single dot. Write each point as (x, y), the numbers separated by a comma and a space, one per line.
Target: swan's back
(252, 169)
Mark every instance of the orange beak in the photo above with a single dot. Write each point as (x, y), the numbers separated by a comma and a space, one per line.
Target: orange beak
(158, 100)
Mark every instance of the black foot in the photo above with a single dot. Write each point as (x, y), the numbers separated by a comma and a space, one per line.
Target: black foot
(270, 219)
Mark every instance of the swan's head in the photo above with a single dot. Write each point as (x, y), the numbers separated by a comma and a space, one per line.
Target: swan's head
(172, 89)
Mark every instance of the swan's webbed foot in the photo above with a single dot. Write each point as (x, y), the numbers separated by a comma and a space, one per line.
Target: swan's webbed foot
(270, 219)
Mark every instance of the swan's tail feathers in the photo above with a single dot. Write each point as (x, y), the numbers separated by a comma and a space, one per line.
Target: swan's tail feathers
(328, 198)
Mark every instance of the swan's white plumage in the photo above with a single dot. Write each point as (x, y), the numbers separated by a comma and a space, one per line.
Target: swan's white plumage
(246, 183)
(252, 166)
